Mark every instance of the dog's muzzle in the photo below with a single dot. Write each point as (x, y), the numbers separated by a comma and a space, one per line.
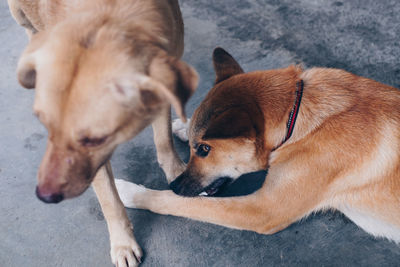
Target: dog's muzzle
(49, 198)
(186, 185)
(215, 186)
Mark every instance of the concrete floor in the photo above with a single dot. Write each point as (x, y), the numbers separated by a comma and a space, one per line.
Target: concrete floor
(361, 36)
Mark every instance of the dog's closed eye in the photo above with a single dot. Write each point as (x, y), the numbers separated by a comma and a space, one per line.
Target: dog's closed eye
(92, 142)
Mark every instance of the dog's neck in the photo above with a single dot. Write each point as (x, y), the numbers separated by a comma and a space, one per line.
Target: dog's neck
(319, 101)
(291, 123)
(276, 98)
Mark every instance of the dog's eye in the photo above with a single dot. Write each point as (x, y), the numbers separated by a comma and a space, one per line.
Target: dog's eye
(203, 150)
(91, 142)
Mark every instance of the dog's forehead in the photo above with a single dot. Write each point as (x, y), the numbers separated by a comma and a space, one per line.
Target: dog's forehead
(55, 79)
(63, 66)
(217, 100)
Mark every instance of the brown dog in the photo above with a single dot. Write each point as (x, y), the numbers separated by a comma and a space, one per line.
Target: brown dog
(103, 70)
(344, 152)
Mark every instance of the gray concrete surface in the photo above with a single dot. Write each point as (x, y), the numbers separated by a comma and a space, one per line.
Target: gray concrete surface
(361, 36)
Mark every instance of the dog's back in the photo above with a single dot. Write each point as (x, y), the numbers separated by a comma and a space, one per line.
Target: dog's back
(163, 18)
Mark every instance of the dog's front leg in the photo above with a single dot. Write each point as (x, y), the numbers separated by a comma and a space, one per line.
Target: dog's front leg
(167, 156)
(124, 249)
(262, 212)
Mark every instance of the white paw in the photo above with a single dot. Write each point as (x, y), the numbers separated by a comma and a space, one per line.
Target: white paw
(180, 129)
(127, 255)
(129, 192)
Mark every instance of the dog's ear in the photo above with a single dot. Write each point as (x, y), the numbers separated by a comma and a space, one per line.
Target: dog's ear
(26, 70)
(151, 93)
(26, 74)
(231, 123)
(175, 79)
(225, 65)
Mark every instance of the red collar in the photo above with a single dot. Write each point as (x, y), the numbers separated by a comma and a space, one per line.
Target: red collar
(293, 113)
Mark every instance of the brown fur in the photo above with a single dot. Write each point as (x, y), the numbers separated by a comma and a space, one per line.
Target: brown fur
(343, 154)
(103, 71)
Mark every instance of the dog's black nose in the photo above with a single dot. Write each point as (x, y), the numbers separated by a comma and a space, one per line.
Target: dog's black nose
(49, 198)
(186, 185)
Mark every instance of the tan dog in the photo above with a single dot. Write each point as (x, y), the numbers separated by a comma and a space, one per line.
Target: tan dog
(344, 152)
(103, 70)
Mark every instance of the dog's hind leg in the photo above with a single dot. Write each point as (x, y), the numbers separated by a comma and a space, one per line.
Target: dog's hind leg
(167, 156)
(374, 208)
(124, 248)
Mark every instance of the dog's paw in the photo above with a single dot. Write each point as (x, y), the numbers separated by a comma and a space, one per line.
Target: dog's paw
(180, 129)
(129, 193)
(128, 255)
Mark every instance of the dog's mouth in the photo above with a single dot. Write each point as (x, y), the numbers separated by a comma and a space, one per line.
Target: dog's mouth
(215, 186)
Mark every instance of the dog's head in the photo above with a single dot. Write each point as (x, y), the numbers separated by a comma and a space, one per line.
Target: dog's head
(226, 132)
(96, 87)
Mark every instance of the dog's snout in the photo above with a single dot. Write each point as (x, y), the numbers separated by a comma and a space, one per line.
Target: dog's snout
(186, 185)
(49, 197)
